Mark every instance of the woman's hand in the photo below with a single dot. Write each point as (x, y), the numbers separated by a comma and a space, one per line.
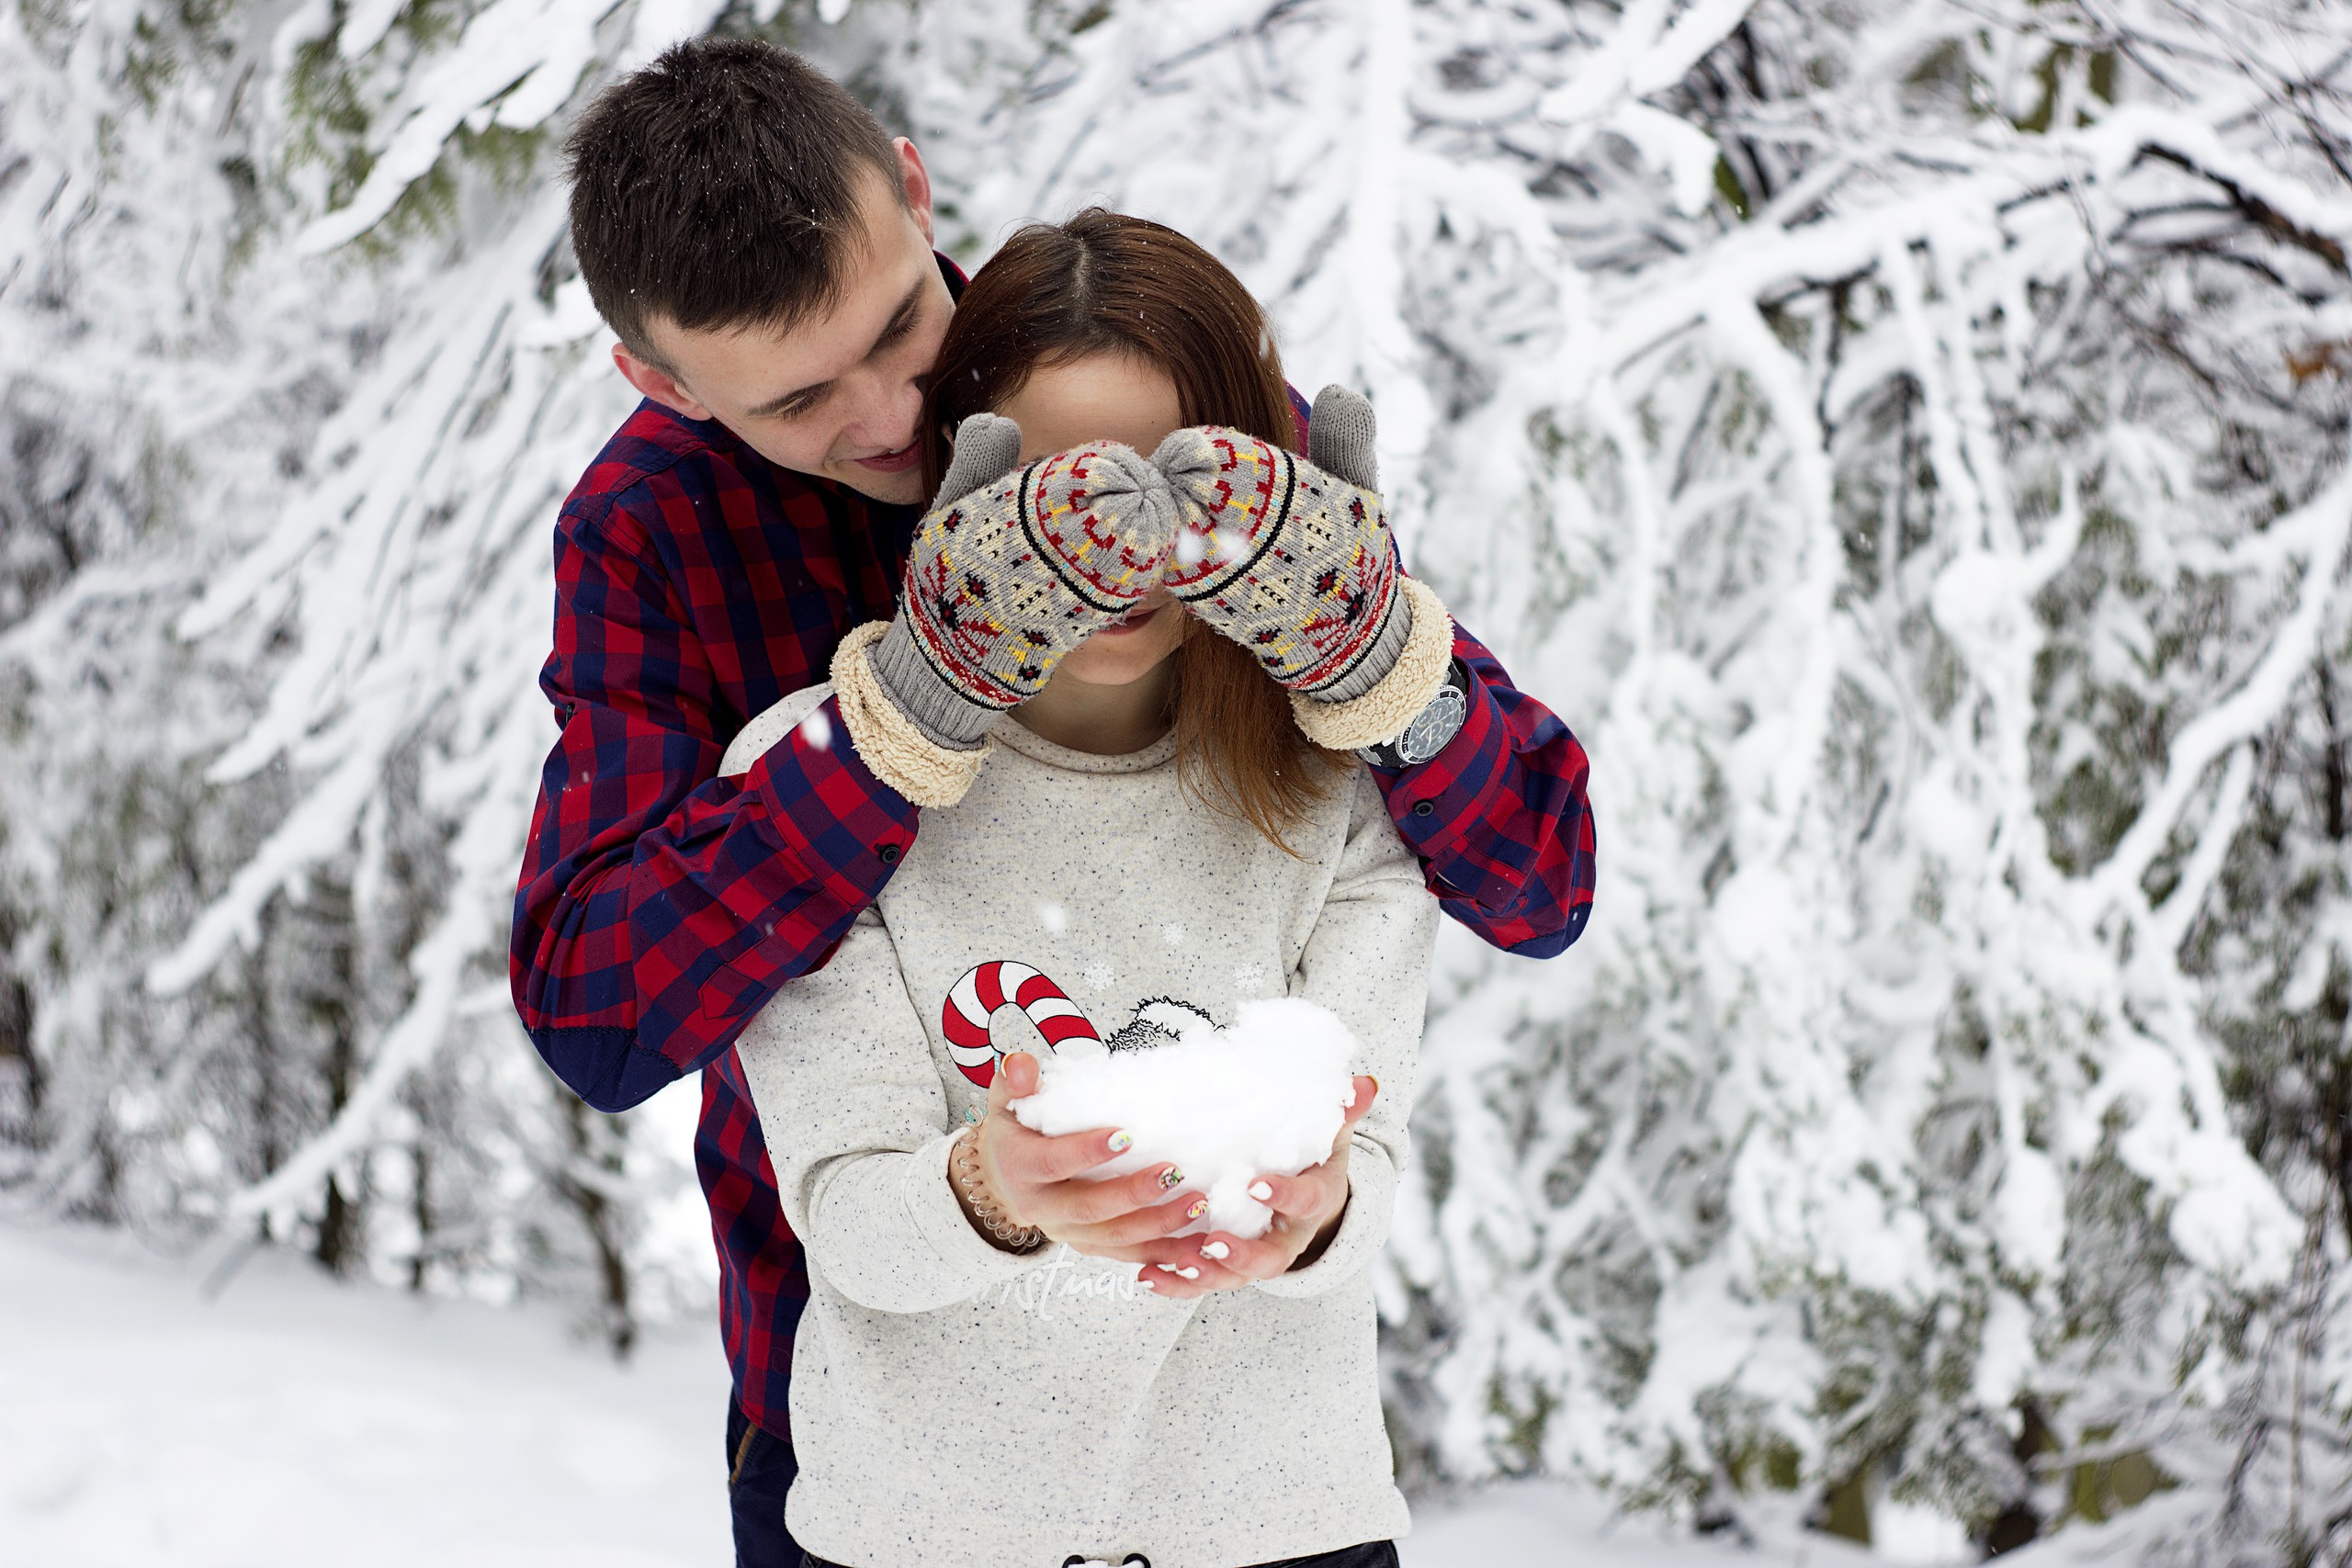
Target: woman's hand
(1308, 1208)
(1037, 1179)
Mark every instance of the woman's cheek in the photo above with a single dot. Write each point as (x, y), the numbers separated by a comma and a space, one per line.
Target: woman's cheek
(1163, 637)
(1167, 635)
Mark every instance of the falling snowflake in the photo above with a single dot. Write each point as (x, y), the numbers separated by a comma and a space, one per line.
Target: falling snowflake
(1099, 977)
(1053, 917)
(1172, 934)
(818, 730)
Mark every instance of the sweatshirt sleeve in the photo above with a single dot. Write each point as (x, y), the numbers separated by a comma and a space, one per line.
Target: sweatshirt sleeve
(1367, 959)
(857, 1126)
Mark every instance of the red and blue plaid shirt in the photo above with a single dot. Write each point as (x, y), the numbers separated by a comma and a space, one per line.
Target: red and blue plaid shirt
(661, 906)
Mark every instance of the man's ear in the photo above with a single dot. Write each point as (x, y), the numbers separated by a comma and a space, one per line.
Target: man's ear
(657, 383)
(915, 181)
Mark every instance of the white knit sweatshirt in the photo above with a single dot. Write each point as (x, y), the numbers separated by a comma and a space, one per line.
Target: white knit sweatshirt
(953, 1403)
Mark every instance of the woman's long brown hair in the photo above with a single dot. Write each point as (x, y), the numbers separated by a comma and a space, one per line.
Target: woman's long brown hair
(1105, 283)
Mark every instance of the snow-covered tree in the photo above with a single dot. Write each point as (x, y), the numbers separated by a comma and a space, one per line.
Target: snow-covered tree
(1906, 441)
(181, 366)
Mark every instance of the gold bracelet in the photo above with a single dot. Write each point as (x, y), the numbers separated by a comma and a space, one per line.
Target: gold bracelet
(963, 1161)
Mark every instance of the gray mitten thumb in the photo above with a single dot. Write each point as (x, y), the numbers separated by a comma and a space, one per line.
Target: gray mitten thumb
(1341, 437)
(987, 448)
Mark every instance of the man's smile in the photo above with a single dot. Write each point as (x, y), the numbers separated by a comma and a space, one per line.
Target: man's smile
(896, 462)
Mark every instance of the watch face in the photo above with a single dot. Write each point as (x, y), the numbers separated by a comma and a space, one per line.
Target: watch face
(1440, 722)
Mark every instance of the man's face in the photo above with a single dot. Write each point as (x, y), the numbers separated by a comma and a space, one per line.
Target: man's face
(838, 395)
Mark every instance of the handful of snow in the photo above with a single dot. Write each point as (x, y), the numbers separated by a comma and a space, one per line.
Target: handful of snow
(1266, 1096)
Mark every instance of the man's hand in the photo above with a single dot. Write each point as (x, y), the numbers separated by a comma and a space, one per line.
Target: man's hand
(1291, 559)
(1039, 1180)
(1308, 1209)
(1012, 568)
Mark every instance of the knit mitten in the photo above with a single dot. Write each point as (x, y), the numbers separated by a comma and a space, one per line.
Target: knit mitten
(1011, 571)
(1292, 560)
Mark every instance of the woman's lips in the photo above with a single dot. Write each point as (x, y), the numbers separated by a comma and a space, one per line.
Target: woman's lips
(905, 458)
(1132, 622)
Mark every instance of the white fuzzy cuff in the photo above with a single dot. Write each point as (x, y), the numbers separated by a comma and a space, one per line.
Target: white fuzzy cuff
(887, 742)
(1382, 713)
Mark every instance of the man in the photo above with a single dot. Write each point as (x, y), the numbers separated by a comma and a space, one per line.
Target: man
(762, 249)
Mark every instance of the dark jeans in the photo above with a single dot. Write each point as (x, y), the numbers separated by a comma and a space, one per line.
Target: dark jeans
(759, 1468)
(1371, 1555)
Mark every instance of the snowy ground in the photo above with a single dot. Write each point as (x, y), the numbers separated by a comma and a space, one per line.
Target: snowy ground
(293, 1421)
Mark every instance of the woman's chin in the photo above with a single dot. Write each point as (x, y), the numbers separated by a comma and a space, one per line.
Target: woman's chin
(1120, 659)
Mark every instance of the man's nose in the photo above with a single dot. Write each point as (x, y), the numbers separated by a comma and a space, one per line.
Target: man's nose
(886, 412)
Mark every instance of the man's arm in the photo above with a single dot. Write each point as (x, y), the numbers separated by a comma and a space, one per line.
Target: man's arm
(1500, 817)
(660, 905)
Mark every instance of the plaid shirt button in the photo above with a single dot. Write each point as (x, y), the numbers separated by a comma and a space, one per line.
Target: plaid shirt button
(887, 853)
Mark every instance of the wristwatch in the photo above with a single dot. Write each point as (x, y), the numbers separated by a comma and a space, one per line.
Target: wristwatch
(1427, 734)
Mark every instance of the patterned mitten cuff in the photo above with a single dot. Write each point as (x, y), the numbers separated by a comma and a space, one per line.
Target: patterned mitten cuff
(1379, 658)
(940, 711)
(1014, 572)
(1383, 711)
(893, 749)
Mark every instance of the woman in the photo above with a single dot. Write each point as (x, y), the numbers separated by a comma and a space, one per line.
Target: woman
(973, 1384)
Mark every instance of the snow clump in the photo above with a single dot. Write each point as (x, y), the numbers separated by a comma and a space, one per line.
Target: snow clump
(1265, 1096)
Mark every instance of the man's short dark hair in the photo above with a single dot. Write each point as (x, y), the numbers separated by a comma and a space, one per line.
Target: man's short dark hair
(718, 187)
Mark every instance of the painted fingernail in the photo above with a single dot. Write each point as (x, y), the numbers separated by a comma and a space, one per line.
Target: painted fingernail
(1214, 1249)
(1200, 1206)
(1121, 1143)
(1170, 1178)
(1262, 1191)
(1165, 1268)
(1188, 1273)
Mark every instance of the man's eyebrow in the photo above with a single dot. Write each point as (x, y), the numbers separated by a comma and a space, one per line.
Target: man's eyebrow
(777, 405)
(901, 322)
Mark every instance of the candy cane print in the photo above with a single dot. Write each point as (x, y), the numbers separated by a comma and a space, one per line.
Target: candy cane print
(973, 999)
